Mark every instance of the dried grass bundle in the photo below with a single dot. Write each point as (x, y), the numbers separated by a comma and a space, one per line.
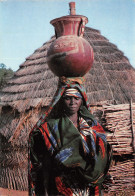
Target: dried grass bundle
(121, 124)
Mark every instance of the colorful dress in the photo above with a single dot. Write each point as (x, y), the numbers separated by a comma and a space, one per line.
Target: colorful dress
(64, 159)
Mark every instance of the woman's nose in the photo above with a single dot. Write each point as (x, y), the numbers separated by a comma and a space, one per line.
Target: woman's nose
(72, 100)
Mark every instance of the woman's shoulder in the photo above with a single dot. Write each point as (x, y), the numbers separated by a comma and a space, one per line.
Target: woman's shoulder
(52, 121)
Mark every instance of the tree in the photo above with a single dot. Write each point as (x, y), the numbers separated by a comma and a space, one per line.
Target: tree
(2, 66)
(5, 74)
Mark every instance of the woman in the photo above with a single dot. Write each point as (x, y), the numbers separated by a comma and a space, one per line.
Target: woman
(69, 154)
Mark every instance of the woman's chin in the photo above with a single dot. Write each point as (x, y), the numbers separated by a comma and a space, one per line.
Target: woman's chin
(71, 112)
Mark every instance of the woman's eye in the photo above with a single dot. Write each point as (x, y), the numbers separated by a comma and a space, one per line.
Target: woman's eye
(67, 98)
(77, 98)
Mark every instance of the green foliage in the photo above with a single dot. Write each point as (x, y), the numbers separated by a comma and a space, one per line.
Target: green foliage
(5, 74)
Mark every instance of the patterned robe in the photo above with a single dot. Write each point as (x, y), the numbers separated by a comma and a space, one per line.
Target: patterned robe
(64, 159)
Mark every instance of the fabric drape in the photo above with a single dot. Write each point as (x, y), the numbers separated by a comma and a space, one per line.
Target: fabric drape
(65, 160)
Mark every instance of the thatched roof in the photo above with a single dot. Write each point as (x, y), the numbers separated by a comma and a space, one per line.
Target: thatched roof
(111, 78)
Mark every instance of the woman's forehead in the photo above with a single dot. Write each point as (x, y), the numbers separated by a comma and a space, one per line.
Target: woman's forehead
(72, 92)
(71, 96)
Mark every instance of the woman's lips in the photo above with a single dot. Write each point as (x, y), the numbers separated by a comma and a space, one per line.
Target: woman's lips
(72, 107)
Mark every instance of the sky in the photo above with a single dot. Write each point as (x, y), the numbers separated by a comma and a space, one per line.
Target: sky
(25, 25)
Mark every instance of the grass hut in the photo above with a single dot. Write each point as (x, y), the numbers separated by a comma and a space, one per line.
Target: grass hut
(110, 86)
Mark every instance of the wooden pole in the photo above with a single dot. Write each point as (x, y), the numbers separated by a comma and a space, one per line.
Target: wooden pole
(132, 126)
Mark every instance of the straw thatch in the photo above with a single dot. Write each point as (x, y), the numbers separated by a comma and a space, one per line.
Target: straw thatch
(110, 81)
(120, 121)
(123, 179)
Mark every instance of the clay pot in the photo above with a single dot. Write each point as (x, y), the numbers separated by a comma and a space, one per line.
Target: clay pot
(70, 55)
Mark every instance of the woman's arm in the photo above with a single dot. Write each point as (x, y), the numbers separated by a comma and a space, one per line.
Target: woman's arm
(38, 165)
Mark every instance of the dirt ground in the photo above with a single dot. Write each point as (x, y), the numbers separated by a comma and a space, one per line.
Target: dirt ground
(9, 192)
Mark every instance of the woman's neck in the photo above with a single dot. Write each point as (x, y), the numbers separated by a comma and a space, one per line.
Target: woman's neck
(74, 118)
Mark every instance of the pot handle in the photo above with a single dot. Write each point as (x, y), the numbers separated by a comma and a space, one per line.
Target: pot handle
(82, 27)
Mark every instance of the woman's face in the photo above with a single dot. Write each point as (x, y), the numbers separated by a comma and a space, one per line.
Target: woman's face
(71, 104)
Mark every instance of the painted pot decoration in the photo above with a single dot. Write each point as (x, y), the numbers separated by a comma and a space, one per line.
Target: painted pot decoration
(70, 55)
